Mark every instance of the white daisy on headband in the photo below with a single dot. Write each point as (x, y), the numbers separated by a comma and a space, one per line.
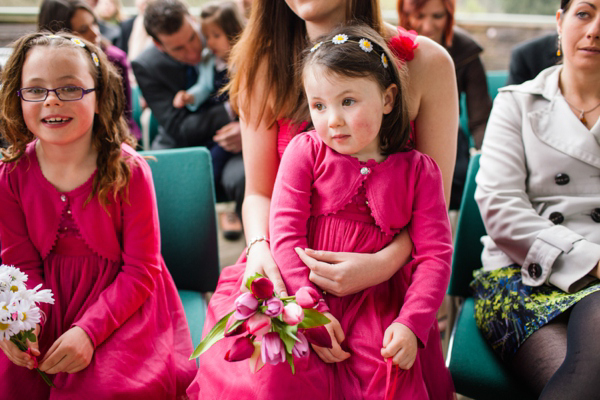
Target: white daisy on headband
(96, 59)
(316, 46)
(78, 42)
(340, 38)
(365, 45)
(53, 36)
(384, 60)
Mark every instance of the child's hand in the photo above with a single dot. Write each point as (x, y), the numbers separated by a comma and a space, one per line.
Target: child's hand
(19, 357)
(182, 98)
(336, 353)
(401, 343)
(70, 353)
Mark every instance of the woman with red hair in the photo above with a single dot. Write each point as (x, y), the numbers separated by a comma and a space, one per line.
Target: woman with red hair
(435, 19)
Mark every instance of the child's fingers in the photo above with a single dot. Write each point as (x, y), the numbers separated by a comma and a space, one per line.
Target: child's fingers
(404, 360)
(74, 366)
(51, 351)
(13, 353)
(338, 332)
(387, 336)
(323, 354)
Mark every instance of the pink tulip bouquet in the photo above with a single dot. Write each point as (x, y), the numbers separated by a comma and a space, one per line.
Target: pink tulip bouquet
(271, 329)
(19, 313)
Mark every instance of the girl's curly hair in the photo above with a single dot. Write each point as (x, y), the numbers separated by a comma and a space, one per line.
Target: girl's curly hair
(109, 131)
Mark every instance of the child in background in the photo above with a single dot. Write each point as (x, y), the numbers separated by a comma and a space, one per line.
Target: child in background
(351, 185)
(222, 23)
(79, 216)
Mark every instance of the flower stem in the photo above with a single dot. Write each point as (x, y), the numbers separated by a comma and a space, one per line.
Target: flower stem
(23, 347)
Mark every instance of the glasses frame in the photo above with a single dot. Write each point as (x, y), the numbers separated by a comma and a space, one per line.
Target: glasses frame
(55, 90)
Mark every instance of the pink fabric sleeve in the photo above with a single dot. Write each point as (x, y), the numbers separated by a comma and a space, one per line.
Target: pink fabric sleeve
(142, 262)
(430, 232)
(290, 210)
(17, 248)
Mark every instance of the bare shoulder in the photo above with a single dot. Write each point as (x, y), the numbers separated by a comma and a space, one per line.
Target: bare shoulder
(429, 57)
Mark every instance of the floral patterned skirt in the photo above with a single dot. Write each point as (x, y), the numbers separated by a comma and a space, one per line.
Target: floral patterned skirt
(508, 311)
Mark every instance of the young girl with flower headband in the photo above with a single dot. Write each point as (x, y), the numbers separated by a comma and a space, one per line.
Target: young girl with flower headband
(351, 185)
(79, 215)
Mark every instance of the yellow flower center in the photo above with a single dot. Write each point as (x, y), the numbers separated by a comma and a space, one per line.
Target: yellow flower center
(24, 317)
(3, 327)
(14, 288)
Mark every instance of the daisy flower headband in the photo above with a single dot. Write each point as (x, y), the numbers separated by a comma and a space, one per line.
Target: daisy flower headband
(365, 45)
(79, 42)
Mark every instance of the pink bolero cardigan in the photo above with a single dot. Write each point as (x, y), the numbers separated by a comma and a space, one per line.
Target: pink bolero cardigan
(404, 191)
(127, 232)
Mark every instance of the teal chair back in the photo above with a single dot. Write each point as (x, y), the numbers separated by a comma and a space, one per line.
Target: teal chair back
(185, 194)
(495, 80)
(475, 369)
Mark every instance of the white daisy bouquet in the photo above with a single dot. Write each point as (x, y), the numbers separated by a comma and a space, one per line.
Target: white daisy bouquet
(19, 313)
(270, 329)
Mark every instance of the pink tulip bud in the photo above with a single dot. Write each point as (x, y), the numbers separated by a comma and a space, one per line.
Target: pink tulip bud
(258, 324)
(241, 349)
(274, 307)
(237, 331)
(307, 297)
(262, 288)
(245, 306)
(293, 314)
(301, 348)
(272, 349)
(318, 336)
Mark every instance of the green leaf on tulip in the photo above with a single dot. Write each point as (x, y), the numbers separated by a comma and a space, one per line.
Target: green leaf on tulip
(237, 323)
(312, 319)
(216, 333)
(251, 279)
(290, 359)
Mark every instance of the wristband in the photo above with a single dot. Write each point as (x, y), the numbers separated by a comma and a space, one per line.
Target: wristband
(255, 240)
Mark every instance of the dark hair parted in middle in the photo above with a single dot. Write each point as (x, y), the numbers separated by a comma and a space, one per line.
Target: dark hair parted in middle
(56, 15)
(164, 17)
(227, 15)
(353, 59)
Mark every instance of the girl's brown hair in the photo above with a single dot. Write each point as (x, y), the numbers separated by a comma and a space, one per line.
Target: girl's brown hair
(349, 59)
(275, 37)
(109, 131)
(227, 16)
(417, 5)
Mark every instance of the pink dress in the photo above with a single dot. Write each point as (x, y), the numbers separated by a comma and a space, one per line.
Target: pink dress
(108, 278)
(364, 317)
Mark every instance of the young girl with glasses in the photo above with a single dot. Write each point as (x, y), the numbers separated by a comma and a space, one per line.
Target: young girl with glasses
(79, 216)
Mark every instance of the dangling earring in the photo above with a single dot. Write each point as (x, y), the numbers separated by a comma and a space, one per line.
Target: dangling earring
(558, 53)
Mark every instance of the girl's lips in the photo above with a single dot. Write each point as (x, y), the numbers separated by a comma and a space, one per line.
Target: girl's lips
(56, 121)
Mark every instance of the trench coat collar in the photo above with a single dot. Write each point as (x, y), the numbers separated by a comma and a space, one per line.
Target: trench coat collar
(555, 124)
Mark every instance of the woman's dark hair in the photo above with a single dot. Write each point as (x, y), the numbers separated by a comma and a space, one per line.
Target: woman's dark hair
(226, 15)
(565, 4)
(349, 59)
(56, 15)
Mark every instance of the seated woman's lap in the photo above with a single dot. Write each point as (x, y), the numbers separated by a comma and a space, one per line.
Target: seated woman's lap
(560, 353)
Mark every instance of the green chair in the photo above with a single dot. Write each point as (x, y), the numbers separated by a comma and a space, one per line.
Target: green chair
(185, 194)
(475, 369)
(495, 80)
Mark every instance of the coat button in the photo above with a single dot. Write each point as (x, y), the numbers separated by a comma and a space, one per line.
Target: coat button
(63, 197)
(364, 171)
(535, 270)
(562, 179)
(596, 215)
(556, 218)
